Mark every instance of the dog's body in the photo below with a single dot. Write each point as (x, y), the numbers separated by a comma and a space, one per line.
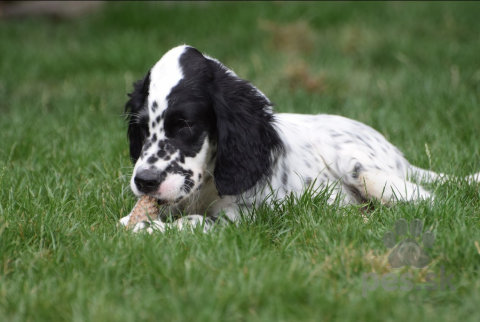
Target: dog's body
(206, 143)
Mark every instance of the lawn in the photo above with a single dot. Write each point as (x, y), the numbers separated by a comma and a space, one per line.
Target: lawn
(410, 70)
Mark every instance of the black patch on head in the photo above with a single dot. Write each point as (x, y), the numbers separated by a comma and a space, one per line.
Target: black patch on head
(137, 116)
(234, 114)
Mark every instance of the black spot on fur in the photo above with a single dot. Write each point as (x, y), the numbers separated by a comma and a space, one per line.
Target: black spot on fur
(181, 157)
(284, 178)
(152, 159)
(169, 148)
(146, 146)
(154, 106)
(154, 138)
(188, 185)
(399, 164)
(175, 168)
(179, 198)
(356, 170)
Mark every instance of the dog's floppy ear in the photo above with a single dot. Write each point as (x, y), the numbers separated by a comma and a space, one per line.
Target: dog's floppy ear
(246, 137)
(137, 131)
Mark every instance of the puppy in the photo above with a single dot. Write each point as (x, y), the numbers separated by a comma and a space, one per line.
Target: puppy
(207, 145)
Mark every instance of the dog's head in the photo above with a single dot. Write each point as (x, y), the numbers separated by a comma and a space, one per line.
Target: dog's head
(191, 117)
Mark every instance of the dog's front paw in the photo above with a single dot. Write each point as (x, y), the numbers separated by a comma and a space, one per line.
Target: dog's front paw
(156, 226)
(191, 221)
(124, 221)
(149, 227)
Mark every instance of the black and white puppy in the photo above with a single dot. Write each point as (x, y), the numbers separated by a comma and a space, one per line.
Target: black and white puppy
(207, 144)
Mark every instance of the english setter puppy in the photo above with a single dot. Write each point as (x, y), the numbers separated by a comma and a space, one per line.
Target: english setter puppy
(207, 144)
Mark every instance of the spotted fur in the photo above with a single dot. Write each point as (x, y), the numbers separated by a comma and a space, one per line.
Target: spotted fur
(206, 142)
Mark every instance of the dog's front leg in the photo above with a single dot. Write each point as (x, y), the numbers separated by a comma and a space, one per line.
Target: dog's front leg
(223, 216)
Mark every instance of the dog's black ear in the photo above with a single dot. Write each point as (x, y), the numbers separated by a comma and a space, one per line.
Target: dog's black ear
(246, 137)
(137, 129)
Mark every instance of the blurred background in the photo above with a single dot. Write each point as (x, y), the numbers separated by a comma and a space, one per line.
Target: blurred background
(403, 68)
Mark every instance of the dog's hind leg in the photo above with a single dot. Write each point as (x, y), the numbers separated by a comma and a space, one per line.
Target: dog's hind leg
(473, 178)
(419, 174)
(388, 188)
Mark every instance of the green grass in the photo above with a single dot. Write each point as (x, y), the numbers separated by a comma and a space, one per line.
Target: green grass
(410, 70)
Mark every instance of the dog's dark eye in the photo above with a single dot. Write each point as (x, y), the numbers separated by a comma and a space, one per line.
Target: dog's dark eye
(185, 124)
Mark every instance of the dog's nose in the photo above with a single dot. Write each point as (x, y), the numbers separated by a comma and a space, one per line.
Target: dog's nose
(147, 180)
